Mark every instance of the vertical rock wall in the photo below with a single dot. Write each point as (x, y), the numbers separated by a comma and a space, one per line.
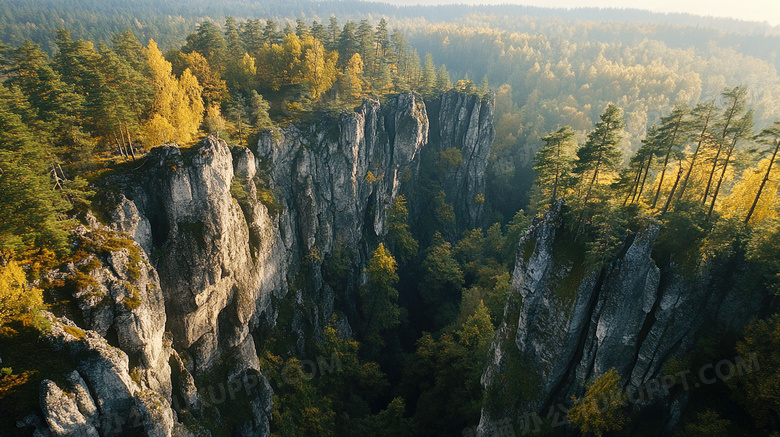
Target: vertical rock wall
(566, 323)
(226, 232)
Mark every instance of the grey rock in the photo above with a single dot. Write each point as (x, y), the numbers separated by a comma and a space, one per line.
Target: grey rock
(222, 251)
(61, 411)
(465, 122)
(84, 401)
(155, 413)
(564, 326)
(127, 219)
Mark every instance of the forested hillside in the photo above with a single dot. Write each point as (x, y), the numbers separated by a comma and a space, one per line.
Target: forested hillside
(367, 179)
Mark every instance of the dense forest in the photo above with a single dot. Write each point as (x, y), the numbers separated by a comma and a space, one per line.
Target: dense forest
(628, 126)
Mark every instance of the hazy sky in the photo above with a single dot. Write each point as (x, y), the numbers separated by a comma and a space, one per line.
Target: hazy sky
(754, 10)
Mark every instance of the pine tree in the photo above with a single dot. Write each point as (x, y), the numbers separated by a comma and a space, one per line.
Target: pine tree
(669, 137)
(639, 167)
(252, 35)
(333, 33)
(484, 87)
(260, 112)
(443, 276)
(741, 129)
(382, 39)
(270, 33)
(59, 108)
(428, 85)
(348, 44)
(401, 240)
(233, 42)
(703, 114)
(239, 118)
(600, 157)
(367, 46)
(443, 82)
(378, 296)
(301, 29)
(209, 42)
(30, 217)
(737, 104)
(319, 32)
(554, 162)
(128, 48)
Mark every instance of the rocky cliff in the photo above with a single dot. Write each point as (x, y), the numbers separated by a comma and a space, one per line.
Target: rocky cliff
(566, 323)
(224, 242)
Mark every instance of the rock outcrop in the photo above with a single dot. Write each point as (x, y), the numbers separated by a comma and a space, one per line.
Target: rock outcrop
(566, 323)
(220, 236)
(465, 122)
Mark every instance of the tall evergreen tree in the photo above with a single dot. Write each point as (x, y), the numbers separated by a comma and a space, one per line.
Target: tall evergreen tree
(378, 296)
(333, 33)
(554, 162)
(233, 42)
(639, 166)
(348, 44)
(367, 46)
(301, 29)
(271, 33)
(736, 105)
(382, 39)
(319, 32)
(600, 157)
(428, 85)
(443, 82)
(127, 46)
(741, 129)
(670, 139)
(252, 35)
(31, 214)
(209, 42)
(703, 117)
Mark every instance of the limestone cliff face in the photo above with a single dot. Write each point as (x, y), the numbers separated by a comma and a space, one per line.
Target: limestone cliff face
(213, 278)
(565, 324)
(333, 179)
(465, 122)
(225, 234)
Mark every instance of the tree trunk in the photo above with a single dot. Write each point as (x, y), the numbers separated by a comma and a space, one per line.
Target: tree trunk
(712, 174)
(674, 188)
(587, 197)
(129, 142)
(732, 111)
(557, 173)
(763, 182)
(722, 175)
(240, 137)
(666, 161)
(119, 146)
(693, 159)
(634, 185)
(644, 179)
